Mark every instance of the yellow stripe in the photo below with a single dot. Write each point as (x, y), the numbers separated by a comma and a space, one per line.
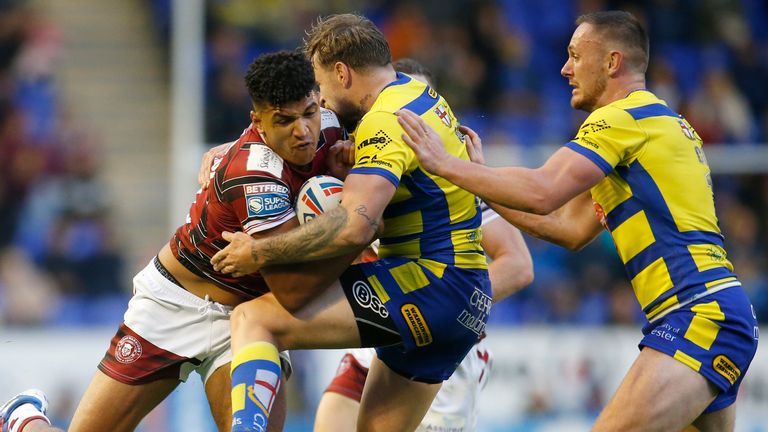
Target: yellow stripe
(702, 332)
(409, 277)
(238, 398)
(719, 281)
(437, 268)
(687, 360)
(256, 351)
(380, 291)
(661, 307)
(709, 310)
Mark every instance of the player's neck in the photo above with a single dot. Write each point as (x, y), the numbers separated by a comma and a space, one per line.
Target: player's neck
(374, 82)
(620, 89)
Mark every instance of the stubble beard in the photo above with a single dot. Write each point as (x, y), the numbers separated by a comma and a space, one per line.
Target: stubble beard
(349, 114)
(589, 101)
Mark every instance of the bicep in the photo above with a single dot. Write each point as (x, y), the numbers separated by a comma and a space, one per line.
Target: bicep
(365, 198)
(570, 174)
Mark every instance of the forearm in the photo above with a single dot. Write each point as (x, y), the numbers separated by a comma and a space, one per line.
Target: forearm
(572, 228)
(325, 237)
(513, 187)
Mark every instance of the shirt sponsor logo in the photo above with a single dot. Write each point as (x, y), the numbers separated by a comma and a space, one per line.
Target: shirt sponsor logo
(379, 140)
(476, 318)
(368, 160)
(415, 320)
(365, 298)
(266, 199)
(262, 158)
(128, 350)
(258, 188)
(725, 367)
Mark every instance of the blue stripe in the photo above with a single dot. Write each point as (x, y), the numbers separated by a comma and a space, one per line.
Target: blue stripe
(462, 225)
(670, 244)
(377, 171)
(622, 212)
(421, 104)
(653, 110)
(435, 215)
(591, 155)
(401, 79)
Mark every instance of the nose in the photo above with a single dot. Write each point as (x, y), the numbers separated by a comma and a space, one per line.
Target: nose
(301, 128)
(322, 102)
(566, 70)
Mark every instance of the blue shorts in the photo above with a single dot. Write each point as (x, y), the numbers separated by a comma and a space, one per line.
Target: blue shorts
(439, 317)
(715, 335)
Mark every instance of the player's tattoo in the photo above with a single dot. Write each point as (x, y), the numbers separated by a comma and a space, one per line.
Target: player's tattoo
(363, 211)
(310, 241)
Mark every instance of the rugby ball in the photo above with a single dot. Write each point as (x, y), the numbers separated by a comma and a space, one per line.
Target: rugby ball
(318, 195)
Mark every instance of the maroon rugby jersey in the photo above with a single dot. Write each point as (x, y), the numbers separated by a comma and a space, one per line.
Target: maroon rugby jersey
(252, 190)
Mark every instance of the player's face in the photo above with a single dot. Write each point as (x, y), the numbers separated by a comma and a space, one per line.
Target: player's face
(586, 68)
(291, 130)
(336, 97)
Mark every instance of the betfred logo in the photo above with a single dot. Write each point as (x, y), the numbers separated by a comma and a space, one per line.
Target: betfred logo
(257, 188)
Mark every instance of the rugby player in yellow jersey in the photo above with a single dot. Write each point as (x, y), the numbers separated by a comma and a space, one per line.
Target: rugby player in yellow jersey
(644, 167)
(424, 303)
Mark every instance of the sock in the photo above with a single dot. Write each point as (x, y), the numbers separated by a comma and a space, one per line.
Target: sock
(23, 415)
(255, 382)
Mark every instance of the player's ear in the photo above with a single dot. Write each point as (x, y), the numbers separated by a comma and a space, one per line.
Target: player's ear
(343, 74)
(615, 59)
(256, 120)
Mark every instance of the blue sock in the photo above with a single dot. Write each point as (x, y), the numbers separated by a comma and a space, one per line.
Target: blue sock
(255, 382)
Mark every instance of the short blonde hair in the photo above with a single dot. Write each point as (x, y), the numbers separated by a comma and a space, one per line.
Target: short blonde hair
(348, 38)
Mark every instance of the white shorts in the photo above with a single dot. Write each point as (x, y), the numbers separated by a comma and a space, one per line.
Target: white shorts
(168, 332)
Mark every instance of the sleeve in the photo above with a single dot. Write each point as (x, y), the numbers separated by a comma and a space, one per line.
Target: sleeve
(379, 148)
(488, 213)
(608, 137)
(260, 202)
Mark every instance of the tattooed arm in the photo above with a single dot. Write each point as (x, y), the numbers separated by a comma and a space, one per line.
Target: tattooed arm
(348, 228)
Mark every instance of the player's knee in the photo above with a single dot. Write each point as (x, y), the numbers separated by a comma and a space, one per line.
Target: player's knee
(249, 319)
(259, 320)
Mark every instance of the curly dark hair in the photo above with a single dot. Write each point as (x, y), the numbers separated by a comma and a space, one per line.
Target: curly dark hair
(277, 78)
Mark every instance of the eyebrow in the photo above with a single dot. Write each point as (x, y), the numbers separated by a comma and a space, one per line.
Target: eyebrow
(282, 115)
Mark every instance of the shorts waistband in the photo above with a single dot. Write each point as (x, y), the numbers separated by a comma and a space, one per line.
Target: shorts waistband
(711, 290)
(164, 272)
(168, 288)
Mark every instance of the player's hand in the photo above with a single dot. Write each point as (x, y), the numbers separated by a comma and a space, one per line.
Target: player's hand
(207, 166)
(424, 141)
(239, 257)
(341, 158)
(474, 145)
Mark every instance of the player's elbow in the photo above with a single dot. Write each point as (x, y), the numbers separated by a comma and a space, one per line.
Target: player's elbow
(542, 203)
(526, 275)
(357, 237)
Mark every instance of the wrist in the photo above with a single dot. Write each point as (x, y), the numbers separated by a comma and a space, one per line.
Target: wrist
(448, 168)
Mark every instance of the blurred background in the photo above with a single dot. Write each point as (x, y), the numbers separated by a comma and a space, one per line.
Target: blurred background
(107, 106)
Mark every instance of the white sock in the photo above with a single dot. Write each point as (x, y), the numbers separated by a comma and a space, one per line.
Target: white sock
(23, 415)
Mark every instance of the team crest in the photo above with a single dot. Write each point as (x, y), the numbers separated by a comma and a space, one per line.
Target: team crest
(686, 130)
(443, 114)
(128, 349)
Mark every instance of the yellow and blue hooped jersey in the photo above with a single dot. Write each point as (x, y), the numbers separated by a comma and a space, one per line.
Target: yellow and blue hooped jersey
(429, 218)
(656, 200)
